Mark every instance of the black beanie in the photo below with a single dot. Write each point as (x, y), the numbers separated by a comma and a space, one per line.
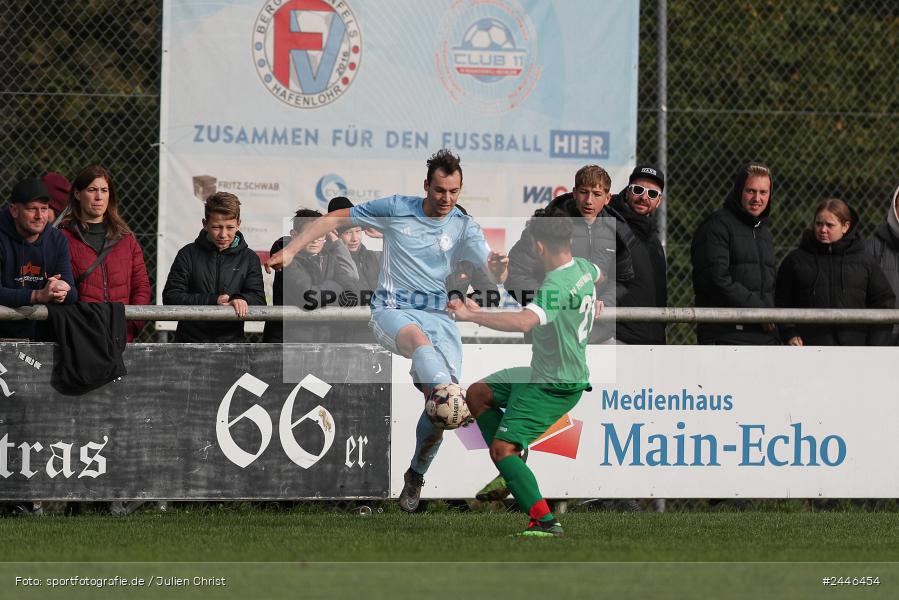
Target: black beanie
(339, 202)
(28, 190)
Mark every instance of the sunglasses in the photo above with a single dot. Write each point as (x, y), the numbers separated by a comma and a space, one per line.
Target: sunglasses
(638, 190)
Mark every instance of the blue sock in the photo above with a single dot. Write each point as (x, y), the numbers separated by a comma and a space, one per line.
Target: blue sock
(427, 441)
(429, 368)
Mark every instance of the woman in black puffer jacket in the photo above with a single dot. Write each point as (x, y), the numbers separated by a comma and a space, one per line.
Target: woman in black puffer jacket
(831, 269)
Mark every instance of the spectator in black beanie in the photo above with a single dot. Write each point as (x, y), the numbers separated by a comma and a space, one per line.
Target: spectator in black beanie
(35, 265)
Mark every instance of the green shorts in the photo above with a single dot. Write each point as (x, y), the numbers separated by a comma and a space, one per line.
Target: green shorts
(531, 408)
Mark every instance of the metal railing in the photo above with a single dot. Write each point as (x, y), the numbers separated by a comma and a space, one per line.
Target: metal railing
(671, 314)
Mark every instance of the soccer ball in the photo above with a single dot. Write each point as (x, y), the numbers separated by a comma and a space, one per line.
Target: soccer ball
(446, 406)
(488, 34)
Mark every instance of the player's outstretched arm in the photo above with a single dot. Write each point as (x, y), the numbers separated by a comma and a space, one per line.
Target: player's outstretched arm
(318, 228)
(523, 320)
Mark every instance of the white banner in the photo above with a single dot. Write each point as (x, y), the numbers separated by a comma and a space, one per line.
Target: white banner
(689, 421)
(287, 103)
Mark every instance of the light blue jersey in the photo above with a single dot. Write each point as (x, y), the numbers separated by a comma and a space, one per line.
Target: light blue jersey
(419, 251)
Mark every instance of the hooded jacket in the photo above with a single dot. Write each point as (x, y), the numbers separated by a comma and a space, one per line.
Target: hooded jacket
(884, 247)
(24, 267)
(650, 284)
(606, 243)
(201, 273)
(733, 267)
(310, 282)
(837, 275)
(121, 277)
(368, 266)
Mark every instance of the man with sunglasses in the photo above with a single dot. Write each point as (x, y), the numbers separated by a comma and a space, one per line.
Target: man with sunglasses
(637, 204)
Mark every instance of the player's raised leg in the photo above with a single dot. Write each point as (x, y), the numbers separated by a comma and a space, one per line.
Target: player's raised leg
(428, 370)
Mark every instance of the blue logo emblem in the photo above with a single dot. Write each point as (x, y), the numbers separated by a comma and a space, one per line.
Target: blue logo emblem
(329, 186)
(486, 55)
(488, 52)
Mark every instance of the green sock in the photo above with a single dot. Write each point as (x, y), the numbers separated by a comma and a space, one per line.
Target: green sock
(489, 422)
(523, 485)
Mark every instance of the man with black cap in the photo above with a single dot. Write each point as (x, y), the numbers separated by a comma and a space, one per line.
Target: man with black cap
(733, 259)
(35, 265)
(636, 204)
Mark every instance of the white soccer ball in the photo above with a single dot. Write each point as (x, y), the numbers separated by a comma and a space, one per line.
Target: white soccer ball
(501, 37)
(446, 406)
(488, 34)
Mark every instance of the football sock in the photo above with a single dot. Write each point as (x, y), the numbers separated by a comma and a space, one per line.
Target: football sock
(488, 423)
(429, 368)
(427, 441)
(523, 485)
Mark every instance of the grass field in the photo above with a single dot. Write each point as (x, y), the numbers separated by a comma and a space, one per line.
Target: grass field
(312, 554)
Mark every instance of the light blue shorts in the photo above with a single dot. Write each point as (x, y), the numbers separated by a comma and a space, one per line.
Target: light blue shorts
(441, 330)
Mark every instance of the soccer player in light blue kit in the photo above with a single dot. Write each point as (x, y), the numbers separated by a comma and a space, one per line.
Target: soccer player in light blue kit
(423, 239)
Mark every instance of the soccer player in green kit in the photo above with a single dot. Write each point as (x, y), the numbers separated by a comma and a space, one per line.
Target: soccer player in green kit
(535, 397)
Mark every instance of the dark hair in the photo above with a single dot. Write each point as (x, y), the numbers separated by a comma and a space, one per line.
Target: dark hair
(836, 206)
(339, 202)
(553, 228)
(116, 226)
(222, 203)
(303, 217)
(447, 161)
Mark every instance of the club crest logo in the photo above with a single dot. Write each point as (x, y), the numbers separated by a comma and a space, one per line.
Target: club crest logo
(487, 54)
(307, 52)
(327, 187)
(444, 242)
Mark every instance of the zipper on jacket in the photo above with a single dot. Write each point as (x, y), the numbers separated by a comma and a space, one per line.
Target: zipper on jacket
(590, 237)
(831, 280)
(105, 283)
(758, 251)
(103, 272)
(218, 273)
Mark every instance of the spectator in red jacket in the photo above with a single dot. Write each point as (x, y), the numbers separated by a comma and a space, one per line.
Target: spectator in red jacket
(107, 261)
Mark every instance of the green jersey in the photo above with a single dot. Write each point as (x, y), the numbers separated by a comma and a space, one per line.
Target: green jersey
(564, 304)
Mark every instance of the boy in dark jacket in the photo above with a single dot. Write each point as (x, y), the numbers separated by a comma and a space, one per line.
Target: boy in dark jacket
(218, 268)
(318, 276)
(368, 262)
(35, 265)
(600, 235)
